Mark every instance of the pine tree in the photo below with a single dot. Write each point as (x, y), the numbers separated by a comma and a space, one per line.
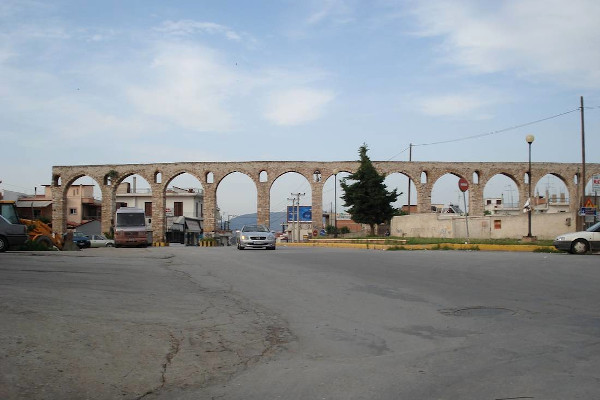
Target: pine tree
(367, 197)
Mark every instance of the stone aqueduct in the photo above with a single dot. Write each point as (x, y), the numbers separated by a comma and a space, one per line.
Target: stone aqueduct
(423, 175)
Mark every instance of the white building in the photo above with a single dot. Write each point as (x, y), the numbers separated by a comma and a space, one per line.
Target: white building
(179, 202)
(497, 206)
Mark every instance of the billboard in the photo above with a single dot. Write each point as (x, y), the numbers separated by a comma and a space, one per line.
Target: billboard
(305, 213)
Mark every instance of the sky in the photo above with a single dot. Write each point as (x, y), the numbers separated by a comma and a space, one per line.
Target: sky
(147, 81)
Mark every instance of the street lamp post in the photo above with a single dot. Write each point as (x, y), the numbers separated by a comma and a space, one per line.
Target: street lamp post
(529, 139)
(335, 235)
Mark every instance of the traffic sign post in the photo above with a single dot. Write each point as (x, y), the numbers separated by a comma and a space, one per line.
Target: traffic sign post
(463, 185)
(595, 183)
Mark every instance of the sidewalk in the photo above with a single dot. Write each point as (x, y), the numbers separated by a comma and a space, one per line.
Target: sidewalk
(376, 244)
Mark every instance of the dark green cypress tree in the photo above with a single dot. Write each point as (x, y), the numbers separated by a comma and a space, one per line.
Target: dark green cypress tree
(367, 196)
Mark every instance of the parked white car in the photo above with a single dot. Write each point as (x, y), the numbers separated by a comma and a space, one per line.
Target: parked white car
(101, 241)
(580, 242)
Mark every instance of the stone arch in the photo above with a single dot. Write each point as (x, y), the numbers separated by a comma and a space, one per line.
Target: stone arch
(196, 211)
(450, 186)
(280, 190)
(61, 175)
(317, 176)
(221, 207)
(209, 177)
(178, 173)
(403, 190)
(510, 198)
(546, 195)
(263, 176)
(60, 193)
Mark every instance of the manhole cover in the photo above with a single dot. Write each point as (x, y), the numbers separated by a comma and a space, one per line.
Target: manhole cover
(478, 312)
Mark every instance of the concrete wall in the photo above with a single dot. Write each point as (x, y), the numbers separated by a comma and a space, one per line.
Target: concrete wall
(544, 226)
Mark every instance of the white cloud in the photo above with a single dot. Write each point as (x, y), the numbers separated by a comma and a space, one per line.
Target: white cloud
(188, 27)
(543, 39)
(297, 106)
(187, 85)
(336, 10)
(455, 105)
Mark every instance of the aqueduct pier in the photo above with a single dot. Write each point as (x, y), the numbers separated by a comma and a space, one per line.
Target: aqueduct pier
(264, 173)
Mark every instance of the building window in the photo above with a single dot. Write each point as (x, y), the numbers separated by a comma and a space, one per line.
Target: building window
(498, 201)
(178, 209)
(37, 214)
(488, 201)
(497, 224)
(72, 211)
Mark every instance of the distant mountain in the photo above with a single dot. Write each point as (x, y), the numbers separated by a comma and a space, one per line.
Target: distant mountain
(277, 218)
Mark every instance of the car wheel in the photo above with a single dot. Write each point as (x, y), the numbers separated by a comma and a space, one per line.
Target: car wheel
(3, 244)
(580, 246)
(109, 245)
(240, 247)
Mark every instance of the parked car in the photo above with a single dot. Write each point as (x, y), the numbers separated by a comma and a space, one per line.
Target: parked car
(101, 241)
(580, 242)
(256, 236)
(81, 240)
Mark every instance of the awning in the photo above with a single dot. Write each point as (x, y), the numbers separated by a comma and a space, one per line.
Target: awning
(192, 225)
(34, 204)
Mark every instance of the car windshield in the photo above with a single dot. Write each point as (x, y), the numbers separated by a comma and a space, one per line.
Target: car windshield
(255, 228)
(594, 228)
(130, 219)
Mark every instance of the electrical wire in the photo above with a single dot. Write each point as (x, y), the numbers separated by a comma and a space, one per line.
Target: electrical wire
(492, 132)
(498, 131)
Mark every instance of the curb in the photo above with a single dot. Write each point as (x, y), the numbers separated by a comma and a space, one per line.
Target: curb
(438, 246)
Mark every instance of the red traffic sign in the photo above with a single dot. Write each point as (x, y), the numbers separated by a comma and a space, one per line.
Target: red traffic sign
(463, 185)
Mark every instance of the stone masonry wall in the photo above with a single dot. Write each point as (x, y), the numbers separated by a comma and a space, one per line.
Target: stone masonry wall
(423, 174)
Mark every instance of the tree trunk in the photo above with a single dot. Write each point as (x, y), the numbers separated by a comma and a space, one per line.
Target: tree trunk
(372, 229)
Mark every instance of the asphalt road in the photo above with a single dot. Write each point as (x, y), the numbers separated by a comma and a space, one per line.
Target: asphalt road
(299, 323)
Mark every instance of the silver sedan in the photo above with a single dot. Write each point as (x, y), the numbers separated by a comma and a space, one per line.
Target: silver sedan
(256, 236)
(101, 241)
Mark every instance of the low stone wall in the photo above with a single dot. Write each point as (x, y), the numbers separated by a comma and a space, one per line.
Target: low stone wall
(544, 226)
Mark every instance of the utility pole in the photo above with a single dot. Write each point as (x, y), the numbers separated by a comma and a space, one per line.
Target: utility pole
(293, 200)
(409, 159)
(298, 212)
(583, 181)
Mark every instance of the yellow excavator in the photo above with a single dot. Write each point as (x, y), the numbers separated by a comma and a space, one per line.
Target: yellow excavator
(38, 231)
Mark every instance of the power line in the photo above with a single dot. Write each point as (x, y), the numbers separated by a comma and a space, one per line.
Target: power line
(396, 155)
(500, 130)
(492, 132)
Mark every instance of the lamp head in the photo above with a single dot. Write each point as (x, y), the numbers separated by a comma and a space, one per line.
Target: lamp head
(530, 139)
